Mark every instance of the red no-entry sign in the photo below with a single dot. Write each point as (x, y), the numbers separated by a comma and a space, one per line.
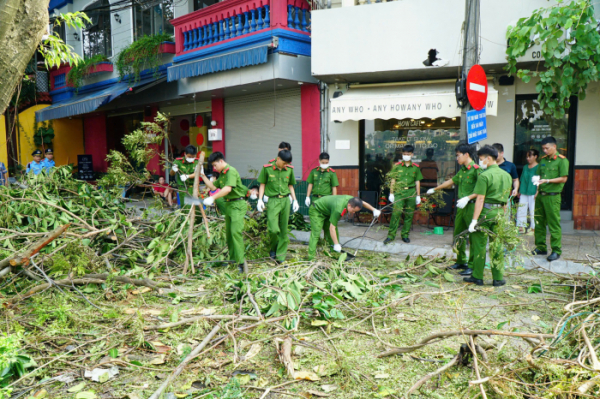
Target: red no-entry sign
(477, 87)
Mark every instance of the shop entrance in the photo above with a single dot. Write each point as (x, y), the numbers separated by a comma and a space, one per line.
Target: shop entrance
(532, 125)
(381, 146)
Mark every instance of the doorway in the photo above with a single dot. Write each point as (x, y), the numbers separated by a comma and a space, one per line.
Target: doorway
(532, 125)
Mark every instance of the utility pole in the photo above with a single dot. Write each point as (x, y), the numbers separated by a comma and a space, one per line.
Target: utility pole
(470, 53)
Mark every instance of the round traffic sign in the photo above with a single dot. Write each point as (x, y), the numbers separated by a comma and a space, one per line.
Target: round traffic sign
(477, 87)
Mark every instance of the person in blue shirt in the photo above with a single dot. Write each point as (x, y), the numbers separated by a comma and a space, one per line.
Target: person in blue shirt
(48, 161)
(509, 168)
(36, 166)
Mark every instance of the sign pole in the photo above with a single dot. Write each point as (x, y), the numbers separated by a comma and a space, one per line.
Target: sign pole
(470, 54)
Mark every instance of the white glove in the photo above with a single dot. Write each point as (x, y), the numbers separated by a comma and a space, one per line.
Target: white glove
(472, 226)
(295, 206)
(260, 206)
(461, 203)
(201, 170)
(265, 198)
(183, 177)
(291, 199)
(175, 168)
(535, 180)
(430, 191)
(307, 201)
(337, 248)
(209, 201)
(391, 198)
(418, 200)
(376, 213)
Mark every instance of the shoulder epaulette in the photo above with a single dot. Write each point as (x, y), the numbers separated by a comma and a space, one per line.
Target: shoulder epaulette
(344, 212)
(416, 164)
(179, 159)
(272, 160)
(545, 156)
(225, 171)
(331, 169)
(398, 163)
(291, 166)
(476, 166)
(267, 165)
(317, 167)
(561, 156)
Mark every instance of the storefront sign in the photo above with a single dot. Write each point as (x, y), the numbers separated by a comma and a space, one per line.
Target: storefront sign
(476, 126)
(85, 167)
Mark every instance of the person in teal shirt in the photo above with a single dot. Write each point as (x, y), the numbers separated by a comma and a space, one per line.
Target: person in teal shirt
(528, 192)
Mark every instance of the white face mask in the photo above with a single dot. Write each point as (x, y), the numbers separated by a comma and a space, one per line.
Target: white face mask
(190, 160)
(406, 158)
(253, 197)
(482, 164)
(324, 165)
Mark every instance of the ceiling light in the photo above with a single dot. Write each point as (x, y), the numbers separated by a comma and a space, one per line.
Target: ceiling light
(443, 121)
(412, 120)
(453, 119)
(429, 124)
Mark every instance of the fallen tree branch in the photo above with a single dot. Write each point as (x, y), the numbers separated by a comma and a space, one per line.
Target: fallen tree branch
(195, 319)
(447, 334)
(285, 355)
(23, 259)
(429, 376)
(476, 366)
(185, 362)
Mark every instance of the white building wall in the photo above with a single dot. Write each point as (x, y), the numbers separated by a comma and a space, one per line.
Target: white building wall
(501, 128)
(341, 132)
(587, 141)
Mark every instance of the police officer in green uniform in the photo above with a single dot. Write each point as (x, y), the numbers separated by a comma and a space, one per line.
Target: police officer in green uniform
(493, 189)
(465, 180)
(330, 209)
(277, 182)
(405, 184)
(322, 180)
(234, 206)
(183, 169)
(553, 171)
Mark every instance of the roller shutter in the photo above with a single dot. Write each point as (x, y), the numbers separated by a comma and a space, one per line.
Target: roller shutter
(256, 124)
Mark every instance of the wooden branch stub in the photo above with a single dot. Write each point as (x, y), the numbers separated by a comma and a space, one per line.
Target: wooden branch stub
(23, 259)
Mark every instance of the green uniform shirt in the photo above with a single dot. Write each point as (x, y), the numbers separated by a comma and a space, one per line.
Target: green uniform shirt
(332, 206)
(495, 184)
(405, 175)
(185, 168)
(551, 168)
(323, 181)
(230, 177)
(466, 178)
(277, 181)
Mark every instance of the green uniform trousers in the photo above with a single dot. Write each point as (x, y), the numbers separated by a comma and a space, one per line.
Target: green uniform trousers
(405, 201)
(479, 241)
(325, 224)
(547, 213)
(278, 215)
(318, 222)
(235, 212)
(461, 223)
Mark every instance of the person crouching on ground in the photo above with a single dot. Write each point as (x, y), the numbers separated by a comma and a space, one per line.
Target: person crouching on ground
(330, 209)
(163, 189)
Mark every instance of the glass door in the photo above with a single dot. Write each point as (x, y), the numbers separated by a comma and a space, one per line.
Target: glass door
(532, 125)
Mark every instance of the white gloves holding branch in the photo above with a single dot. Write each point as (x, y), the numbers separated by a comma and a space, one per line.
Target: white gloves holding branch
(260, 206)
(183, 178)
(535, 180)
(209, 201)
(376, 213)
(418, 199)
(307, 201)
(175, 168)
(337, 248)
(265, 198)
(461, 203)
(291, 199)
(295, 206)
(391, 198)
(430, 191)
(472, 226)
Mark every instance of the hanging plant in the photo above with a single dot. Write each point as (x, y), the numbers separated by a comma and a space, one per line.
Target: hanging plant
(140, 55)
(43, 133)
(82, 69)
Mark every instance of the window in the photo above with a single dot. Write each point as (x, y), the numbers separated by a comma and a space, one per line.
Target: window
(200, 4)
(60, 30)
(97, 35)
(152, 18)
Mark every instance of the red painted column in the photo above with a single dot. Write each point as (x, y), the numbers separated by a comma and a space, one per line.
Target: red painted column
(94, 138)
(310, 104)
(279, 13)
(154, 164)
(218, 115)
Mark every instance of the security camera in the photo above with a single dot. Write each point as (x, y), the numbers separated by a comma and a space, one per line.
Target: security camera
(213, 123)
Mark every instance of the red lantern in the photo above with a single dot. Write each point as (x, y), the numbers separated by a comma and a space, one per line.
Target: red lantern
(184, 141)
(200, 139)
(199, 121)
(184, 124)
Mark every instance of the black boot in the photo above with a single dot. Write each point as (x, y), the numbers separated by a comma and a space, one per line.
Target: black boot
(476, 281)
(457, 266)
(553, 256)
(539, 252)
(243, 267)
(467, 272)
(387, 240)
(406, 239)
(498, 283)
(272, 254)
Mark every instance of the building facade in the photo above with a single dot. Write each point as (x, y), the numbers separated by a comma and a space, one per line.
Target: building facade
(373, 56)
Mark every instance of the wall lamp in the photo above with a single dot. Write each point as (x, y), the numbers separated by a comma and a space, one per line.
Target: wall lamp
(213, 123)
(118, 18)
(76, 36)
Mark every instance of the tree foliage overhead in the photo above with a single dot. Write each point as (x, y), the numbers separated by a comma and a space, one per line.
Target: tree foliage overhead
(570, 48)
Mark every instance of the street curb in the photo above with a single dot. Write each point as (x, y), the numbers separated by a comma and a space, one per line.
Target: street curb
(558, 266)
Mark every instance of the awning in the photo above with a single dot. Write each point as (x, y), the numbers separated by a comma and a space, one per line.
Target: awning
(402, 102)
(254, 55)
(88, 102)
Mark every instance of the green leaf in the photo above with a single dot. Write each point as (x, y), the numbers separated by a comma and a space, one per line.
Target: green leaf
(76, 388)
(500, 325)
(449, 278)
(429, 283)
(114, 353)
(534, 289)
(318, 323)
(86, 395)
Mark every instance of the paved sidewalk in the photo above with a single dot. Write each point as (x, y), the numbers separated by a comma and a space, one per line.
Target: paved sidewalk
(573, 260)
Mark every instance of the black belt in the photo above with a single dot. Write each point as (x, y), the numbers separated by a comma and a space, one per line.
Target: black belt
(234, 199)
(544, 193)
(317, 196)
(471, 201)
(490, 206)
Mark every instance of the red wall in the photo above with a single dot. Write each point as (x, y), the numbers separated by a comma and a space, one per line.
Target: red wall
(310, 102)
(154, 165)
(218, 115)
(94, 133)
(586, 200)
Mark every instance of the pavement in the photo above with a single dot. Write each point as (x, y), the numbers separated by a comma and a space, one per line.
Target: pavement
(575, 244)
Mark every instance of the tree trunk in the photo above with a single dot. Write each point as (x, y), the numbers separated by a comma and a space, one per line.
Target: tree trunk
(22, 25)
